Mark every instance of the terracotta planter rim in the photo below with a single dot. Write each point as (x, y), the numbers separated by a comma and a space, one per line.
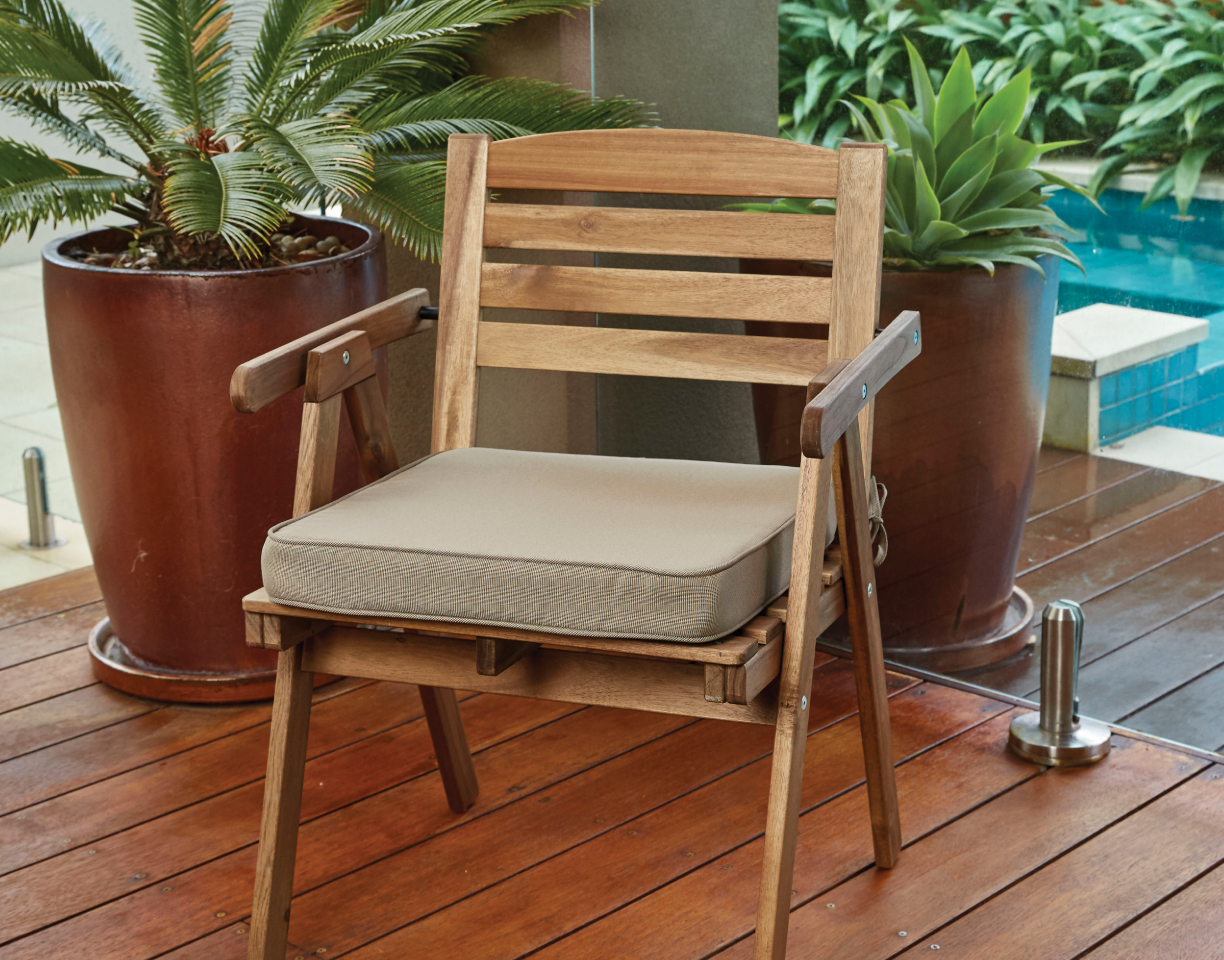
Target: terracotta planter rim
(51, 253)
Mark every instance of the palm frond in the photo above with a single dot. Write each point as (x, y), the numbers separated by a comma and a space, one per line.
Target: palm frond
(188, 45)
(281, 49)
(45, 113)
(35, 188)
(320, 157)
(406, 202)
(230, 195)
(509, 107)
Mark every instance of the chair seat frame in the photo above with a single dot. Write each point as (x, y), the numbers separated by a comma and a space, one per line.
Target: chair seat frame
(762, 674)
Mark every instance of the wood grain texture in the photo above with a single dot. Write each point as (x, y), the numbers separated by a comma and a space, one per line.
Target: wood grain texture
(367, 413)
(316, 470)
(828, 414)
(746, 682)
(652, 353)
(494, 655)
(450, 746)
(269, 377)
(1080, 899)
(666, 293)
(867, 642)
(454, 412)
(661, 686)
(951, 871)
(68, 715)
(49, 676)
(282, 808)
(694, 233)
(696, 162)
(50, 633)
(337, 365)
(794, 686)
(857, 250)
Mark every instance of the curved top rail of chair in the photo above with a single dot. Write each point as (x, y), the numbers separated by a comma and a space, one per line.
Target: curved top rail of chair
(650, 160)
(258, 382)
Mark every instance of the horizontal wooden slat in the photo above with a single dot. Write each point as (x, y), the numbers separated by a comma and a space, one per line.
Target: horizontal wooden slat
(658, 293)
(697, 162)
(694, 233)
(650, 353)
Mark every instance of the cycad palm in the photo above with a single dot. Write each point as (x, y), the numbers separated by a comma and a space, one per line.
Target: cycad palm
(336, 101)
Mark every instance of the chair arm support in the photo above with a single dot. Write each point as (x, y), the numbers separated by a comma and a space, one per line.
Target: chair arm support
(258, 382)
(835, 407)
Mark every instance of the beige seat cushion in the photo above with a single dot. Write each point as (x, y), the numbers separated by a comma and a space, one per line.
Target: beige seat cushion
(597, 546)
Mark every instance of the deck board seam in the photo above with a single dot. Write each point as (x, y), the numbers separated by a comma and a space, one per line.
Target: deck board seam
(1113, 533)
(1071, 848)
(1173, 690)
(1091, 493)
(77, 736)
(755, 837)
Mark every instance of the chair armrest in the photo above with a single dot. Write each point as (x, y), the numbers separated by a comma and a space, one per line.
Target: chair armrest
(834, 408)
(258, 382)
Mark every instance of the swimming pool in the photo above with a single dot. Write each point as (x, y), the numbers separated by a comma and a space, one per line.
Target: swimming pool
(1154, 259)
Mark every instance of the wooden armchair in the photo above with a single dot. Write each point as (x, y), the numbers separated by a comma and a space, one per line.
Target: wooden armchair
(435, 575)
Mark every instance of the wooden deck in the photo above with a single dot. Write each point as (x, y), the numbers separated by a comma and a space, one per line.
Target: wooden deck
(128, 828)
(1143, 551)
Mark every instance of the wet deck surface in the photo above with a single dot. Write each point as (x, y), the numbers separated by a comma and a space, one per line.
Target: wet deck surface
(127, 828)
(1143, 550)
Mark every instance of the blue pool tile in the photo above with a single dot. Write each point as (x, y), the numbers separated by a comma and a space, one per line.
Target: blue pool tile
(1189, 391)
(1109, 390)
(1156, 404)
(1140, 413)
(1125, 388)
(1141, 378)
(1173, 396)
(1109, 423)
(1160, 372)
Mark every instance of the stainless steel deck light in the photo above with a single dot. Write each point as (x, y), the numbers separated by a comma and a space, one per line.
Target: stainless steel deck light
(1057, 736)
(42, 523)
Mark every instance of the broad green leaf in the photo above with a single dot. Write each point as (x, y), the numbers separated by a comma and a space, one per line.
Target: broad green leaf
(1186, 177)
(937, 233)
(956, 95)
(1004, 111)
(924, 93)
(955, 141)
(1008, 218)
(978, 159)
(953, 206)
(927, 204)
(1002, 188)
(920, 140)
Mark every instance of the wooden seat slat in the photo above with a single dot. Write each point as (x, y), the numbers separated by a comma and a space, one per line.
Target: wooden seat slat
(650, 353)
(693, 233)
(657, 293)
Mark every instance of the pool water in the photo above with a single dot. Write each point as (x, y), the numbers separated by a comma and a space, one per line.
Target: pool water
(1154, 259)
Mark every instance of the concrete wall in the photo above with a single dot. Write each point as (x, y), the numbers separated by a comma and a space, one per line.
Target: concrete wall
(703, 64)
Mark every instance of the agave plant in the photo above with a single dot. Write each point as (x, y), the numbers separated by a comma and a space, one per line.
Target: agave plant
(961, 188)
(334, 101)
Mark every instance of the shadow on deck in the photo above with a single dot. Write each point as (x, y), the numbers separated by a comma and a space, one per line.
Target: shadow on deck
(128, 828)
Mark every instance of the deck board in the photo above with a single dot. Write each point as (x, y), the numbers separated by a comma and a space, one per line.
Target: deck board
(129, 826)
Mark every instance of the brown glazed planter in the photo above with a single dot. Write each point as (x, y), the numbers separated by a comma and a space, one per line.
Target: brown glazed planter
(177, 489)
(957, 433)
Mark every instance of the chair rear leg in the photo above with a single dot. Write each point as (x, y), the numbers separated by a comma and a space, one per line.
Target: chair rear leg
(450, 747)
(282, 808)
(858, 571)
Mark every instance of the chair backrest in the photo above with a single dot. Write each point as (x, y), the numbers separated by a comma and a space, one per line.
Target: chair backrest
(652, 161)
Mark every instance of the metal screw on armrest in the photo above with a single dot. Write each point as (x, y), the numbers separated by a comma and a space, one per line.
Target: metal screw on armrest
(1057, 736)
(864, 391)
(915, 336)
(345, 356)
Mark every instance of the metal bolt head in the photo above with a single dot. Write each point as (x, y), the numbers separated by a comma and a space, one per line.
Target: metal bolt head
(803, 703)
(902, 933)
(864, 391)
(830, 905)
(345, 356)
(915, 341)
(934, 946)
(869, 589)
(219, 913)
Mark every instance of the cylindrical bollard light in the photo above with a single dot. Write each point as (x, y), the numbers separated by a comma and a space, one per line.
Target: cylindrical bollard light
(1057, 736)
(42, 523)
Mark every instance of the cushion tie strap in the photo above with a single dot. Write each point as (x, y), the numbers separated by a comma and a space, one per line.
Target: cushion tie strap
(877, 494)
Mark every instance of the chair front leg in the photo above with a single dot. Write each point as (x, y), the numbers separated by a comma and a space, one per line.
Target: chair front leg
(863, 612)
(790, 735)
(282, 808)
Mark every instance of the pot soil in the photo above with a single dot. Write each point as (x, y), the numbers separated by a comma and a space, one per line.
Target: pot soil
(177, 489)
(957, 435)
